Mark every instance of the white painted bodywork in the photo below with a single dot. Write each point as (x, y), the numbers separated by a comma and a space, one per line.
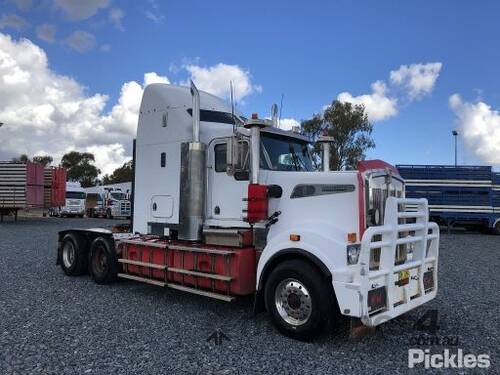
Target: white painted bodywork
(73, 206)
(323, 222)
(167, 104)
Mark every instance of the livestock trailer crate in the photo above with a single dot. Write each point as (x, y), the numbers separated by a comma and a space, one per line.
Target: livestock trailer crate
(54, 192)
(21, 186)
(457, 195)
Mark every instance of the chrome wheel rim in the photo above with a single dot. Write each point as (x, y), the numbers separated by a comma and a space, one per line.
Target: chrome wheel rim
(68, 254)
(293, 302)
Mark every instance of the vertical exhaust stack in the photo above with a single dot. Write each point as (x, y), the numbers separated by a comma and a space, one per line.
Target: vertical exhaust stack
(325, 141)
(257, 209)
(274, 115)
(193, 177)
(255, 124)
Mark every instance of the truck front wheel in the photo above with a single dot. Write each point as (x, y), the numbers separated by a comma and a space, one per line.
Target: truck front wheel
(103, 261)
(73, 254)
(299, 299)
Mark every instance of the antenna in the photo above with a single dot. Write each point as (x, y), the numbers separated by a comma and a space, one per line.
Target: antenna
(232, 105)
(281, 109)
(274, 115)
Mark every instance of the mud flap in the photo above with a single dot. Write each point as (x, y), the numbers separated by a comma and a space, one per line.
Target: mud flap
(358, 330)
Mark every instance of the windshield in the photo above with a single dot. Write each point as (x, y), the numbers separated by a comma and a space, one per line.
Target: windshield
(75, 195)
(281, 153)
(118, 196)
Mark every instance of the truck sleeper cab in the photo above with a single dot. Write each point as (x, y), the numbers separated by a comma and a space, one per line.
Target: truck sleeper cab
(226, 207)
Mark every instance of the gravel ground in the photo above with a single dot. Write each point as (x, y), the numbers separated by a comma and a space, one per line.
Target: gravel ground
(50, 323)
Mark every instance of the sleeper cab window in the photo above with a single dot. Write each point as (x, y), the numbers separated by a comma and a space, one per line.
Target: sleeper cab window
(220, 157)
(163, 159)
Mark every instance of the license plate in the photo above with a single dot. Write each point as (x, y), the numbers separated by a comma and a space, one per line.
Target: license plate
(403, 278)
(428, 281)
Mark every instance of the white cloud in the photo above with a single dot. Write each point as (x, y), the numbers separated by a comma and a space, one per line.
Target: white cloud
(152, 77)
(378, 105)
(417, 79)
(48, 113)
(408, 83)
(479, 125)
(215, 79)
(110, 156)
(288, 123)
(81, 41)
(81, 9)
(46, 32)
(116, 16)
(12, 21)
(155, 17)
(154, 13)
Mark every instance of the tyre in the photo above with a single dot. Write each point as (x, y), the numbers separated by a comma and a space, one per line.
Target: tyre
(103, 262)
(73, 256)
(299, 299)
(108, 214)
(496, 228)
(81, 216)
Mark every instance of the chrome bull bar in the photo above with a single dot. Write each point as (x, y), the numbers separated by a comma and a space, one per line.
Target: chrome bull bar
(425, 240)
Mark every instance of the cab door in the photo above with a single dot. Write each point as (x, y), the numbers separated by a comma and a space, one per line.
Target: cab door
(226, 193)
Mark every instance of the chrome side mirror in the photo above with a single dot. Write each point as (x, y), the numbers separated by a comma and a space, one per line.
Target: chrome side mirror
(236, 155)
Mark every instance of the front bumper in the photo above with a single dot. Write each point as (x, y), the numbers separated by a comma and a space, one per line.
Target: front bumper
(120, 213)
(73, 211)
(353, 284)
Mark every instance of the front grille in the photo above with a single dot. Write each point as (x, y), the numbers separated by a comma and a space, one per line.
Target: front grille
(380, 186)
(125, 206)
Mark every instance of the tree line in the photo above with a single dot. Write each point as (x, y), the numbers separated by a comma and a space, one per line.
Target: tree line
(346, 123)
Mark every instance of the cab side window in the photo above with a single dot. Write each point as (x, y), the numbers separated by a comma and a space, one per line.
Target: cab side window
(220, 152)
(220, 157)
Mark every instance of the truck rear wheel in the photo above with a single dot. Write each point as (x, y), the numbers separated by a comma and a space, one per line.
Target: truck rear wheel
(73, 254)
(298, 299)
(103, 261)
(496, 228)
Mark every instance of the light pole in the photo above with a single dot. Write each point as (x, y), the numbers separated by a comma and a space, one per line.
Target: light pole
(455, 133)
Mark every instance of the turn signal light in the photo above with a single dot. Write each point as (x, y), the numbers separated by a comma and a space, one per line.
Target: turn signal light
(294, 237)
(351, 237)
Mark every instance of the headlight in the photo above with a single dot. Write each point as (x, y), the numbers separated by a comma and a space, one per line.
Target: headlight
(353, 253)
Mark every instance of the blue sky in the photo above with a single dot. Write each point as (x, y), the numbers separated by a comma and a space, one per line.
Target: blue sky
(310, 51)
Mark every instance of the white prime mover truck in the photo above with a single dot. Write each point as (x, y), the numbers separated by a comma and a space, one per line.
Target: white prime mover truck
(74, 204)
(108, 201)
(224, 207)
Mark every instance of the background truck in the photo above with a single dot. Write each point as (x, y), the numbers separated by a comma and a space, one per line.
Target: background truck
(74, 204)
(457, 195)
(21, 187)
(108, 201)
(226, 207)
